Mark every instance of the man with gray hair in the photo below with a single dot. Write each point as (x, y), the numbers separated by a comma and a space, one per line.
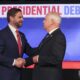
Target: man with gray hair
(48, 61)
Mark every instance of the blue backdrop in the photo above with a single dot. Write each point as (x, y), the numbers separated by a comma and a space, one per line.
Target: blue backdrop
(34, 31)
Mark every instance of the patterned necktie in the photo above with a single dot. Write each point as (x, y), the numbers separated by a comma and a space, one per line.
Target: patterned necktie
(19, 42)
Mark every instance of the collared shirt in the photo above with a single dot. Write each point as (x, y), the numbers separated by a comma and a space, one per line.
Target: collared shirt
(53, 30)
(13, 31)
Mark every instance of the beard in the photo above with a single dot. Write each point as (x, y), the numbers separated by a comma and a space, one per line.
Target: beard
(18, 24)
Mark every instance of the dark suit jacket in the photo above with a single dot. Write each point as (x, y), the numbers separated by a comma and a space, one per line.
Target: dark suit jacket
(51, 53)
(8, 52)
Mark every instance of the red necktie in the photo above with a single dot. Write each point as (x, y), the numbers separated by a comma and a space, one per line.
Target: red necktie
(19, 42)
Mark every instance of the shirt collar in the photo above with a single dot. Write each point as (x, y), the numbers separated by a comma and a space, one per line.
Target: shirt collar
(52, 30)
(12, 28)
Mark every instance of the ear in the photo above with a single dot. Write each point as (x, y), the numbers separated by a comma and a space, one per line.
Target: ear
(11, 18)
(52, 22)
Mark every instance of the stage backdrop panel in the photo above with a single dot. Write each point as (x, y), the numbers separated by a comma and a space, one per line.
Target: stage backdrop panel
(33, 25)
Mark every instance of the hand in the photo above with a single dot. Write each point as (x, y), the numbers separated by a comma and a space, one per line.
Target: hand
(35, 59)
(19, 62)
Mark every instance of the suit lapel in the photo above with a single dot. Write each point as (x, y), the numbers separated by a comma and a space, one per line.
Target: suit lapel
(45, 40)
(12, 38)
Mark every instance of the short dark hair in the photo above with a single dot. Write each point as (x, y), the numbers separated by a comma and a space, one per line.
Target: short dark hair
(12, 13)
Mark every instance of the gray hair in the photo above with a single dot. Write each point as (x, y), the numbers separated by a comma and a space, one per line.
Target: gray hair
(55, 16)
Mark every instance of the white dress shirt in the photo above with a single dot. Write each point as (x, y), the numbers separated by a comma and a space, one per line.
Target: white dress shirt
(53, 30)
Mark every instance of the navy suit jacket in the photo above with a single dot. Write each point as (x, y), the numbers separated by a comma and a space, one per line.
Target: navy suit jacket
(51, 52)
(8, 52)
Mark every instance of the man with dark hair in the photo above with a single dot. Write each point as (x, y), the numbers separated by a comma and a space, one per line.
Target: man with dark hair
(12, 44)
(12, 12)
